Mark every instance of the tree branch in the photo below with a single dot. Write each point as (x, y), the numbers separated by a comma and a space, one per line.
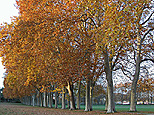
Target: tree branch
(147, 18)
(146, 34)
(147, 60)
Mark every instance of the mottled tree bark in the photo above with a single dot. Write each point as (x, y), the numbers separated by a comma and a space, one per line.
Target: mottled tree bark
(41, 99)
(45, 99)
(91, 94)
(106, 103)
(136, 76)
(87, 107)
(50, 95)
(33, 99)
(108, 71)
(63, 98)
(56, 99)
(78, 95)
(70, 91)
(38, 98)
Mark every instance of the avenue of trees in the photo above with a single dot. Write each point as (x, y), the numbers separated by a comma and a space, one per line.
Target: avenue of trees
(64, 46)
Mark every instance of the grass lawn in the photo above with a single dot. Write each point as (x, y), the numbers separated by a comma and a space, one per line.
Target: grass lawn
(139, 108)
(124, 107)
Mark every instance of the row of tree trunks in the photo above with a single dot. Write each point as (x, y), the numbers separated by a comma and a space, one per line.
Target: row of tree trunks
(46, 99)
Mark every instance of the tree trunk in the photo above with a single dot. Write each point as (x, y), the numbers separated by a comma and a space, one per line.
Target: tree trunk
(78, 95)
(50, 95)
(68, 103)
(87, 107)
(41, 99)
(38, 98)
(29, 100)
(51, 98)
(151, 98)
(33, 101)
(47, 96)
(133, 97)
(136, 76)
(26, 100)
(63, 98)
(108, 72)
(70, 91)
(56, 99)
(91, 94)
(110, 99)
(45, 99)
(106, 103)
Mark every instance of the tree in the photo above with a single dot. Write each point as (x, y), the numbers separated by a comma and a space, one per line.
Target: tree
(142, 29)
(61, 42)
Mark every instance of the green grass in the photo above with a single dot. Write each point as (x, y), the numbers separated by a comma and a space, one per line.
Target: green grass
(120, 107)
(124, 107)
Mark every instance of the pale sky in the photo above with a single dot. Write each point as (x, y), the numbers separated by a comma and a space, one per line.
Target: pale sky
(7, 10)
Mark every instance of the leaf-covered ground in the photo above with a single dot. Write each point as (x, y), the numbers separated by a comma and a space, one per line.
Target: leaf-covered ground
(19, 109)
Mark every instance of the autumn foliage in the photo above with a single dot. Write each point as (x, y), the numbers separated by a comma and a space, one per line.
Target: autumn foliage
(59, 42)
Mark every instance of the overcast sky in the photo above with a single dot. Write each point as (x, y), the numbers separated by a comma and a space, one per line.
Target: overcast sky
(7, 10)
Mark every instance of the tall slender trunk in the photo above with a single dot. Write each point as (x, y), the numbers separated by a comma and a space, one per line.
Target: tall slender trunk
(91, 94)
(47, 96)
(106, 103)
(29, 100)
(68, 102)
(41, 99)
(70, 91)
(38, 98)
(33, 101)
(78, 95)
(50, 95)
(45, 99)
(63, 98)
(133, 96)
(56, 99)
(110, 99)
(136, 76)
(151, 98)
(87, 107)
(108, 72)
(26, 100)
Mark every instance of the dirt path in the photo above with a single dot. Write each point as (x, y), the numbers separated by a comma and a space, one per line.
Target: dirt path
(19, 109)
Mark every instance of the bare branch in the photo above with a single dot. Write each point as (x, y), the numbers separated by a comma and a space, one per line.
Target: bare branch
(146, 34)
(147, 60)
(148, 18)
